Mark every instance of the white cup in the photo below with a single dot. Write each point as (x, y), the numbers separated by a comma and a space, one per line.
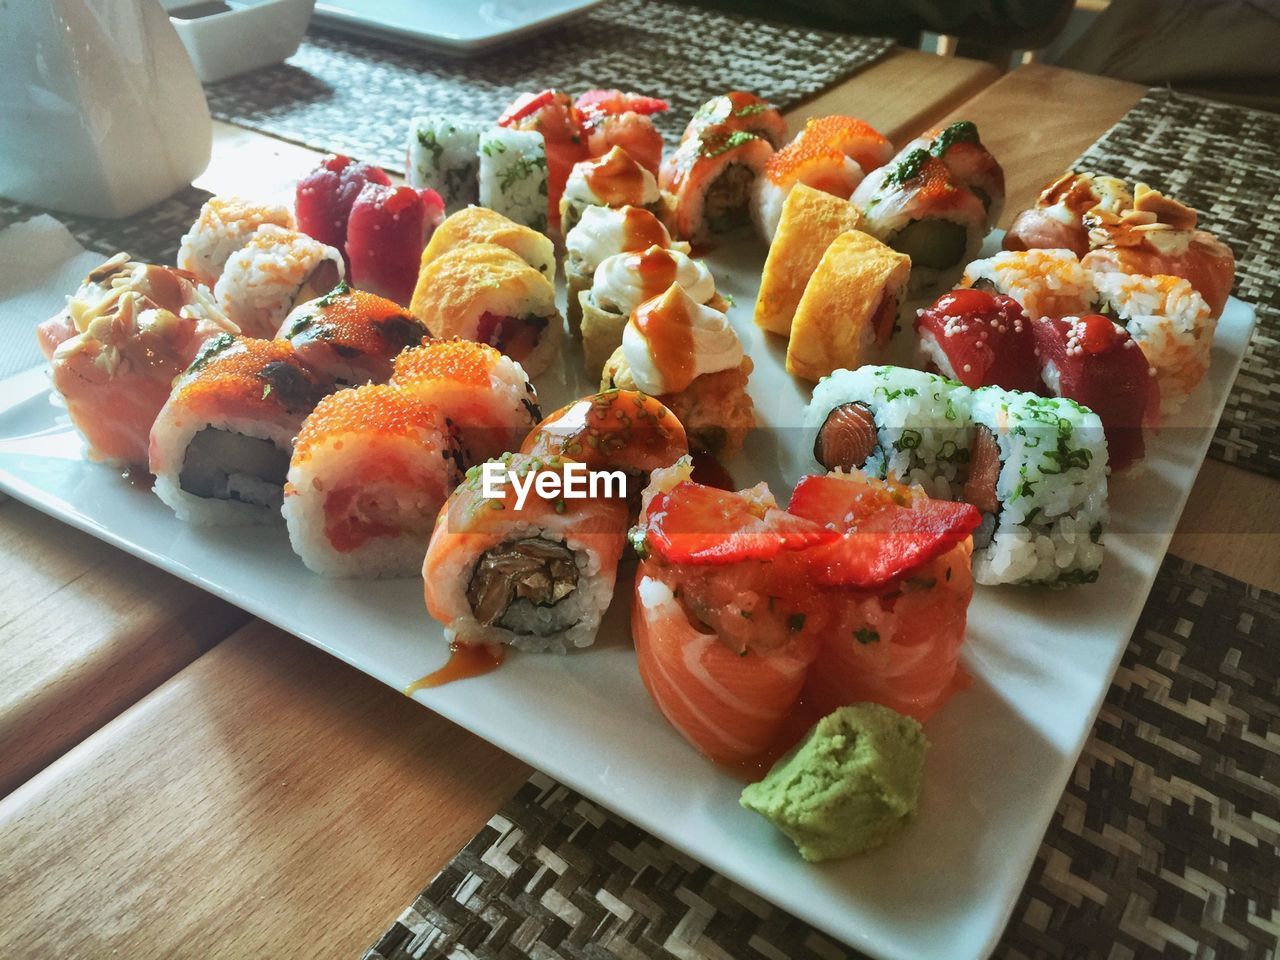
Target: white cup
(100, 110)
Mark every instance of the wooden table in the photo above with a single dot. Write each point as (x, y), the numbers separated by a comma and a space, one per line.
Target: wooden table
(267, 798)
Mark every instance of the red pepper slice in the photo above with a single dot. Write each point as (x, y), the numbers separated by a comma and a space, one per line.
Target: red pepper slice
(525, 105)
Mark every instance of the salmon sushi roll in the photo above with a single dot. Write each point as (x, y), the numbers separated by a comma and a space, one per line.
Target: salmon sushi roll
(971, 164)
(892, 423)
(611, 118)
(1158, 237)
(721, 613)
(350, 336)
(271, 274)
(1097, 363)
(1045, 283)
(739, 111)
(1038, 473)
(1057, 221)
(486, 293)
(1172, 324)
(485, 396)
(224, 226)
(816, 164)
(980, 339)
(855, 138)
(220, 447)
(917, 206)
(370, 470)
(710, 178)
(535, 574)
(114, 351)
(895, 595)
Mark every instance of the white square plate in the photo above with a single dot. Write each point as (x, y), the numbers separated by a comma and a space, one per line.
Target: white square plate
(459, 28)
(1001, 754)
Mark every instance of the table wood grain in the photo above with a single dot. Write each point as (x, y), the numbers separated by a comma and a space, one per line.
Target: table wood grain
(85, 631)
(268, 801)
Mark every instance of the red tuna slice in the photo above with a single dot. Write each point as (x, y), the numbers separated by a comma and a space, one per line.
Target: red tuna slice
(696, 524)
(887, 531)
(1097, 364)
(981, 339)
(324, 197)
(388, 228)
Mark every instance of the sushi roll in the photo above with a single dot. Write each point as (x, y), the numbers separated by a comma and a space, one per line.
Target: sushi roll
(224, 226)
(832, 154)
(626, 280)
(723, 634)
(1045, 283)
(605, 232)
(538, 576)
(485, 396)
(611, 118)
(271, 274)
(1098, 364)
(980, 339)
(324, 197)
(482, 225)
(444, 155)
(1057, 221)
(893, 423)
(116, 347)
(809, 222)
(849, 307)
(917, 206)
(1038, 473)
(370, 470)
(710, 178)
(220, 447)
(486, 293)
(894, 593)
(550, 115)
(971, 164)
(612, 180)
(739, 111)
(513, 176)
(350, 336)
(1170, 322)
(614, 430)
(687, 355)
(1158, 237)
(386, 231)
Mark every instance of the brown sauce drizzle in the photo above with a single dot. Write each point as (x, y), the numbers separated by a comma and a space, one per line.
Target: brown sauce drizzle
(465, 661)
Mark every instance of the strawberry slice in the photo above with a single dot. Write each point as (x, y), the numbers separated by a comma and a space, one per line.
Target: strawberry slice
(886, 531)
(695, 524)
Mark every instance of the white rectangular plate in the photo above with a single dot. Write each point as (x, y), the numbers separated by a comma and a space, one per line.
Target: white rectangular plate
(1001, 751)
(460, 28)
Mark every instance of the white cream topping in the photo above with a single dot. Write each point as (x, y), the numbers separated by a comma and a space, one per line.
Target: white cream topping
(577, 189)
(602, 233)
(709, 337)
(619, 282)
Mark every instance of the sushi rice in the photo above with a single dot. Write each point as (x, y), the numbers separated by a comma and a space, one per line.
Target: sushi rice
(1045, 283)
(444, 155)
(513, 175)
(274, 272)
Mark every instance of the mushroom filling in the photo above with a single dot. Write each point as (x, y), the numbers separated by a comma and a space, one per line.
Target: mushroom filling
(518, 585)
(222, 465)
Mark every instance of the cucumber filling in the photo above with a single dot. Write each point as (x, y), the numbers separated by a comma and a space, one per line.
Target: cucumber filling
(932, 244)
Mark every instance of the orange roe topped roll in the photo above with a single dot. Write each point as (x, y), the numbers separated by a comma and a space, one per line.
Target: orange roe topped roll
(484, 394)
(370, 470)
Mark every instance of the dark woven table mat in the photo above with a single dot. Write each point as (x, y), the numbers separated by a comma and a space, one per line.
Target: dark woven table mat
(1163, 845)
(355, 95)
(1222, 160)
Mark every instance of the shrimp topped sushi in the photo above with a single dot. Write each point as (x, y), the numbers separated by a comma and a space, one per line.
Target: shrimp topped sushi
(485, 396)
(486, 293)
(371, 467)
(350, 336)
(115, 349)
(611, 118)
(220, 447)
(533, 573)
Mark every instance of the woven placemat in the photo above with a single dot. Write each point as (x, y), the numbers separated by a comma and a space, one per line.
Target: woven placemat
(355, 95)
(1164, 843)
(1222, 160)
